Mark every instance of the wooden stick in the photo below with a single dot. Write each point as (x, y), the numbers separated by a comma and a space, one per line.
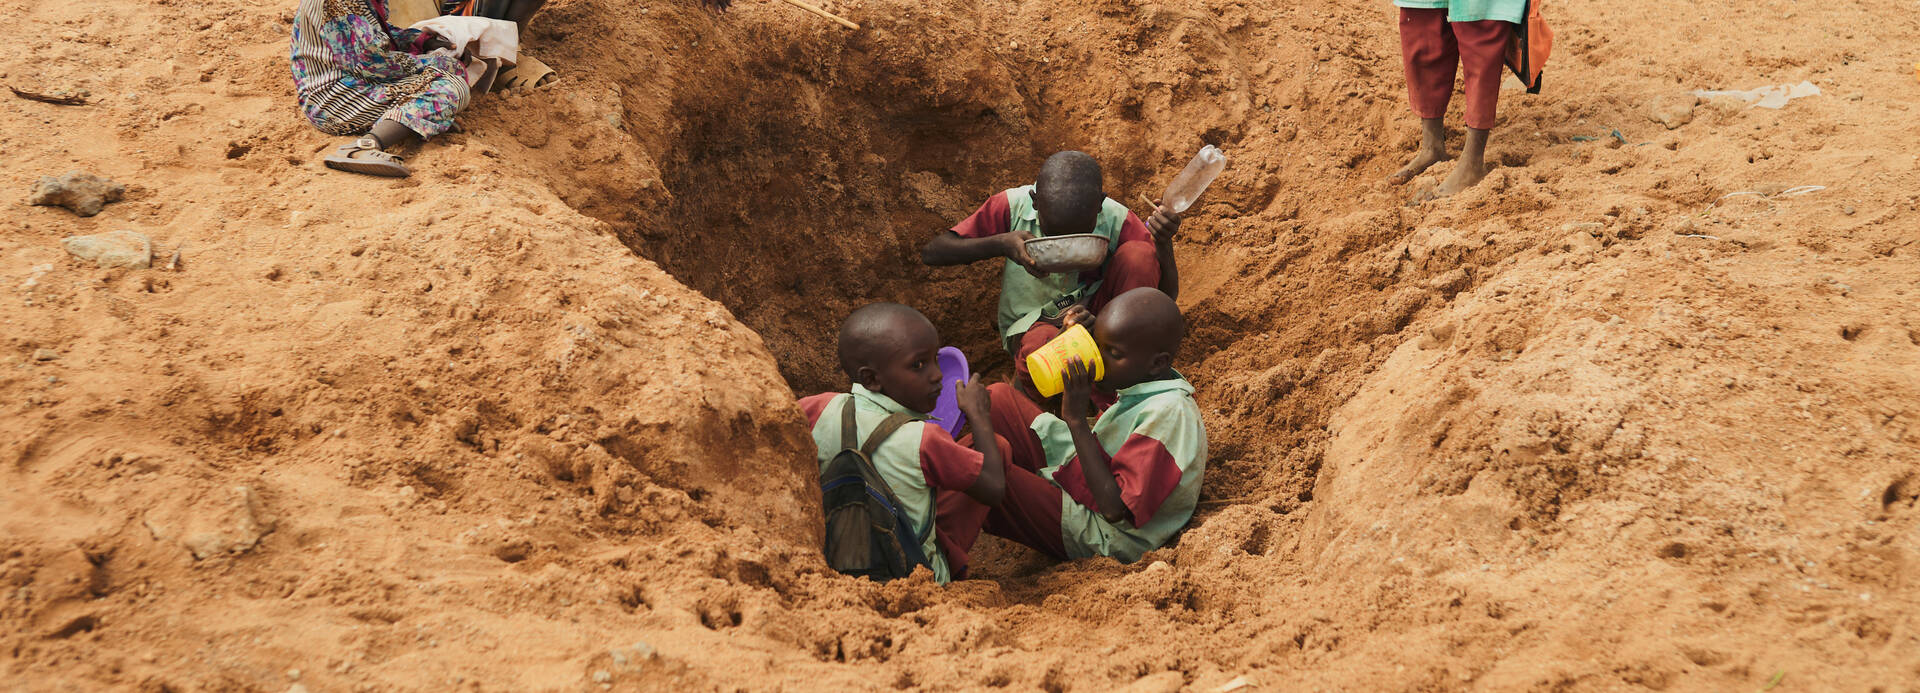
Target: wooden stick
(829, 15)
(62, 100)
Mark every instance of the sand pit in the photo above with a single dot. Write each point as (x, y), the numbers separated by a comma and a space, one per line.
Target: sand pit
(525, 421)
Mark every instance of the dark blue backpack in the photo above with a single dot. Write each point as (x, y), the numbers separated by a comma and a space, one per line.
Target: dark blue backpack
(868, 531)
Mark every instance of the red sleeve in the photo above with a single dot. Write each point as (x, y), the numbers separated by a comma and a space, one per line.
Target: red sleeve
(1133, 229)
(1144, 470)
(994, 217)
(813, 406)
(1147, 474)
(947, 464)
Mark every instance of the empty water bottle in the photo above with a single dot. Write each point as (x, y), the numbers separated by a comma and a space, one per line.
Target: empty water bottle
(1193, 181)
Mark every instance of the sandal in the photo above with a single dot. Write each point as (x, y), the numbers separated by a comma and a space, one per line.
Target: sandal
(528, 73)
(364, 156)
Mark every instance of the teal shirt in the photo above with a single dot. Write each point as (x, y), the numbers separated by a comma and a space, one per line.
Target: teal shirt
(897, 460)
(1472, 10)
(1159, 450)
(1025, 298)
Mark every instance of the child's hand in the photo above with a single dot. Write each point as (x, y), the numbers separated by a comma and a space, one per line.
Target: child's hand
(1016, 250)
(1077, 314)
(1165, 224)
(1077, 395)
(973, 400)
(436, 42)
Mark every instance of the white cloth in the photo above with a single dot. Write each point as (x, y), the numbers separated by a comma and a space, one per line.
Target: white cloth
(477, 37)
(482, 44)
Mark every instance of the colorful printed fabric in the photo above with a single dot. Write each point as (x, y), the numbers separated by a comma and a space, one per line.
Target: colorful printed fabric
(352, 69)
(1158, 450)
(917, 461)
(1024, 298)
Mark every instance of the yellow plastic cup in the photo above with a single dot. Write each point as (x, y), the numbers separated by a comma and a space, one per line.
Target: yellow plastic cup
(1048, 364)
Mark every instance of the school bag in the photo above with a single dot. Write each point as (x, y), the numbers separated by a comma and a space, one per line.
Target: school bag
(1529, 47)
(868, 531)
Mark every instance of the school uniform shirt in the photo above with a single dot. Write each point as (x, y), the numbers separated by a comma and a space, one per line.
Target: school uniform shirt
(1158, 450)
(1025, 298)
(916, 461)
(1471, 10)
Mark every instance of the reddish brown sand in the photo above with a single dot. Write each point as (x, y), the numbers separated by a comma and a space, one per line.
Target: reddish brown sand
(525, 421)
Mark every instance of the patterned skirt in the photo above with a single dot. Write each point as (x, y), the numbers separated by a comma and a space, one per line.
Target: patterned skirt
(425, 102)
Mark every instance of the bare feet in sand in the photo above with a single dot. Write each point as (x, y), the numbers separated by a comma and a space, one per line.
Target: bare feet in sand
(1433, 150)
(1470, 170)
(1465, 175)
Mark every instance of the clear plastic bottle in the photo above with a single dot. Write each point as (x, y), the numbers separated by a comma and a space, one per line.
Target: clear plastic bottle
(1193, 181)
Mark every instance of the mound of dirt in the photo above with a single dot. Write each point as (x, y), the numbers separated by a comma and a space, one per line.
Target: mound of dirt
(1638, 411)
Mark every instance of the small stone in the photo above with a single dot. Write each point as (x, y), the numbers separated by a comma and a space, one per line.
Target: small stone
(45, 354)
(293, 674)
(1672, 110)
(1846, 209)
(297, 688)
(602, 676)
(80, 192)
(230, 528)
(112, 249)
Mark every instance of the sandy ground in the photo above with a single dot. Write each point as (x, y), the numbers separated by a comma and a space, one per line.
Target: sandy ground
(525, 421)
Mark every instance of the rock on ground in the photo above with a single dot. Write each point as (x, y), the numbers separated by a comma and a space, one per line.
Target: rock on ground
(1672, 110)
(229, 525)
(82, 193)
(112, 249)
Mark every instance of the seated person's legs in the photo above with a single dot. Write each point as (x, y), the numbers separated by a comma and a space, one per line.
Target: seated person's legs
(1013, 415)
(1030, 514)
(1035, 337)
(1135, 265)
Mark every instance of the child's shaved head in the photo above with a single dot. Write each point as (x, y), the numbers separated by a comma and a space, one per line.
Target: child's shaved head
(873, 331)
(892, 350)
(1068, 193)
(1146, 317)
(1138, 333)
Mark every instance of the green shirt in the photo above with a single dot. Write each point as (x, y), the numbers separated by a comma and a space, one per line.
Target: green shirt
(917, 461)
(1158, 450)
(1472, 10)
(1025, 298)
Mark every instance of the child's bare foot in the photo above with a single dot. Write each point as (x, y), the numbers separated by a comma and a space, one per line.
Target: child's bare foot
(1468, 172)
(1464, 176)
(1433, 150)
(1425, 159)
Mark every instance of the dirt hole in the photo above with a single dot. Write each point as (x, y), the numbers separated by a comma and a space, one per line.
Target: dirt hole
(792, 193)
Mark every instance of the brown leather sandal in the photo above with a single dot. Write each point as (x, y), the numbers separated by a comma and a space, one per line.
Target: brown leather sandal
(365, 156)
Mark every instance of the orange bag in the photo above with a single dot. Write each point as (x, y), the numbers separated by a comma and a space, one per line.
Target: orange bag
(1527, 51)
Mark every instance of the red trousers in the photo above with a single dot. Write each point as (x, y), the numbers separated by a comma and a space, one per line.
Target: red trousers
(1030, 512)
(1134, 265)
(1432, 48)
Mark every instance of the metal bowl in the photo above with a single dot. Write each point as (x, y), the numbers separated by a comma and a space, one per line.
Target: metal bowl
(1077, 252)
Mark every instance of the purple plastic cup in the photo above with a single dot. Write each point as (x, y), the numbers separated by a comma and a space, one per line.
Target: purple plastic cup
(946, 410)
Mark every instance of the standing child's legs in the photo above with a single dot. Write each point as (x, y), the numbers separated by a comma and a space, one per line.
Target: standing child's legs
(1483, 46)
(1431, 57)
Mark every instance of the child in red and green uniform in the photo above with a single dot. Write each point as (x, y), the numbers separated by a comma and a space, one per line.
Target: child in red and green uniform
(888, 350)
(1122, 484)
(1439, 38)
(1066, 198)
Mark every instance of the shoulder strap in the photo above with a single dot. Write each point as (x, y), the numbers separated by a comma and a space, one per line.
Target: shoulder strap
(881, 433)
(848, 434)
(885, 430)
